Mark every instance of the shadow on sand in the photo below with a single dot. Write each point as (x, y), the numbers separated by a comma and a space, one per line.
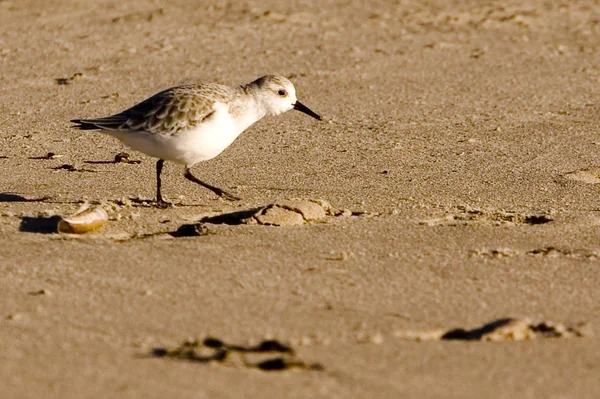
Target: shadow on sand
(12, 197)
(39, 224)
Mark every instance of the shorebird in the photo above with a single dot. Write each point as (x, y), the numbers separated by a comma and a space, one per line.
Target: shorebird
(193, 123)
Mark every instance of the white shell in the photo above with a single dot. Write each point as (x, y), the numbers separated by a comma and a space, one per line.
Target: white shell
(86, 219)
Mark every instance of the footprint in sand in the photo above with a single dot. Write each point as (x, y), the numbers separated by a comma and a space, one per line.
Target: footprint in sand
(505, 329)
(465, 215)
(589, 175)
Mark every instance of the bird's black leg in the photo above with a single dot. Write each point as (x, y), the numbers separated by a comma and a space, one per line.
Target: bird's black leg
(160, 202)
(221, 193)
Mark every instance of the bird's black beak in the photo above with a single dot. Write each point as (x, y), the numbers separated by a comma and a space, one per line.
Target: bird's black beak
(298, 106)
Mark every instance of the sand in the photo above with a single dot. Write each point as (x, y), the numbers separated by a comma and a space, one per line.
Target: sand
(460, 147)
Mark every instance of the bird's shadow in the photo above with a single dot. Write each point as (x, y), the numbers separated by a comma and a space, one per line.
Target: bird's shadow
(39, 224)
(232, 218)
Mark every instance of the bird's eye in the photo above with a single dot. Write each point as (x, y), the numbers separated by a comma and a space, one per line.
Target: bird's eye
(282, 93)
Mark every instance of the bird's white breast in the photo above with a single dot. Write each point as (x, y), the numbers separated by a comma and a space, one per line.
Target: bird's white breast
(200, 143)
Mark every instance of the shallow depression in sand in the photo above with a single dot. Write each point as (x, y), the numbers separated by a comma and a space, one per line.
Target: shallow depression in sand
(589, 175)
(292, 212)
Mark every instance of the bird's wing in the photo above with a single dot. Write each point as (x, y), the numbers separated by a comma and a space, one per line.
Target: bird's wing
(168, 112)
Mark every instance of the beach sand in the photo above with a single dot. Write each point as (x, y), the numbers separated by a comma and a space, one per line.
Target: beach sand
(457, 151)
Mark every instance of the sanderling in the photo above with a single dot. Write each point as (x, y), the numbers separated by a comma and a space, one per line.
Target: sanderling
(193, 123)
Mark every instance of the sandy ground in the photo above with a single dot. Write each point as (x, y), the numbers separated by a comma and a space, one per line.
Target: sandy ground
(452, 129)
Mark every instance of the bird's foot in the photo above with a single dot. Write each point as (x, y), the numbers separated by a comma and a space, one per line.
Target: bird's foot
(162, 204)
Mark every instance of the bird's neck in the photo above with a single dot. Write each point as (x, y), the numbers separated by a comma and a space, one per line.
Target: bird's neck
(260, 105)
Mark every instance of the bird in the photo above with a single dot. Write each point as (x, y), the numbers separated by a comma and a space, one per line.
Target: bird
(192, 123)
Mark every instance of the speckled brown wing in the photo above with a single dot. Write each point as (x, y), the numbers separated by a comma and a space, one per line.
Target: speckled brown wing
(168, 112)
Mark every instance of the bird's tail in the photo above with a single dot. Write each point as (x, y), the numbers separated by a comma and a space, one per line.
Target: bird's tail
(83, 124)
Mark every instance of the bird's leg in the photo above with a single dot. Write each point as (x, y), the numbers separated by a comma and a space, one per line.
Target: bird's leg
(160, 202)
(221, 193)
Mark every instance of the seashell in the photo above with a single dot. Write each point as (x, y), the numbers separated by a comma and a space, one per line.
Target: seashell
(86, 219)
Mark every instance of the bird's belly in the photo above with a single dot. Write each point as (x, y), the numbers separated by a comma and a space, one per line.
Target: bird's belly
(186, 147)
(193, 146)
